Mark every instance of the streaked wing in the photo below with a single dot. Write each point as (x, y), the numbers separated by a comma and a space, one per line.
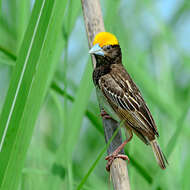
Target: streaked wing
(125, 98)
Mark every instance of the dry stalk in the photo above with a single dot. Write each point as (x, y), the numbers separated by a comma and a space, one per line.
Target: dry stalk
(94, 24)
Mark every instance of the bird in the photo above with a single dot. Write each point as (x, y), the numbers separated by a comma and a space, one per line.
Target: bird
(120, 98)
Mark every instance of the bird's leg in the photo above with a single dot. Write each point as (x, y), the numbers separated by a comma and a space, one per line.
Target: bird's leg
(116, 154)
(104, 114)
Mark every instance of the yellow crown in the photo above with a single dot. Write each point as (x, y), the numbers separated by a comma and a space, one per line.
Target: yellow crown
(105, 38)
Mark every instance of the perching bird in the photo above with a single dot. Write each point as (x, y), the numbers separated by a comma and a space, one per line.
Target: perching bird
(120, 97)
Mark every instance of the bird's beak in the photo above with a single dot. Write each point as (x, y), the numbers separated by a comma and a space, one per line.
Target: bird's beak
(97, 50)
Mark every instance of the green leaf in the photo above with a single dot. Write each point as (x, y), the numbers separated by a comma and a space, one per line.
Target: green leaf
(23, 15)
(8, 53)
(71, 17)
(30, 80)
(80, 105)
(97, 159)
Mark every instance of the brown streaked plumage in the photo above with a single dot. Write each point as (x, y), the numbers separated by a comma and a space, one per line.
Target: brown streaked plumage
(120, 94)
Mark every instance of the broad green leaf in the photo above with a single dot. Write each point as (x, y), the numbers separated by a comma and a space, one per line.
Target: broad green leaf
(29, 82)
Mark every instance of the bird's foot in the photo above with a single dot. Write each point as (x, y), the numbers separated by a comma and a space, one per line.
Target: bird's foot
(116, 154)
(112, 157)
(104, 114)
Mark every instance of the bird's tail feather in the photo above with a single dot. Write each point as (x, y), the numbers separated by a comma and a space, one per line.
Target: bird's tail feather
(160, 157)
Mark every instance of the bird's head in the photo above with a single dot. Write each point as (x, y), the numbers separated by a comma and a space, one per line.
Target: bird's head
(106, 49)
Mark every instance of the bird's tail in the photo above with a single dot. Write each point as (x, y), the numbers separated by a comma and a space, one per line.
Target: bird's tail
(161, 159)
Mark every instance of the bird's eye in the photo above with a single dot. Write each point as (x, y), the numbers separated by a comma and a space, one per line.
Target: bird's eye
(109, 47)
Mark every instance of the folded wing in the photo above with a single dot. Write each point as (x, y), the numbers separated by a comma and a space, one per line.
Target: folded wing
(126, 100)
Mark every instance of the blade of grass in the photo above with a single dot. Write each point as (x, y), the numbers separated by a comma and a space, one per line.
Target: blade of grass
(145, 174)
(8, 53)
(11, 17)
(30, 80)
(185, 174)
(180, 125)
(97, 159)
(110, 18)
(72, 14)
(5, 27)
(72, 130)
(57, 89)
(185, 6)
(23, 15)
(79, 106)
(7, 34)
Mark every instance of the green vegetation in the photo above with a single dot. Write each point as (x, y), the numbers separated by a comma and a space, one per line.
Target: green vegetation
(46, 85)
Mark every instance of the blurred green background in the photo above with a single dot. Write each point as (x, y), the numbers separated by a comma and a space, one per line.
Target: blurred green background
(68, 137)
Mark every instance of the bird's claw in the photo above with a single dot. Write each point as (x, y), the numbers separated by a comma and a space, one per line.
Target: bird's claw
(105, 115)
(112, 157)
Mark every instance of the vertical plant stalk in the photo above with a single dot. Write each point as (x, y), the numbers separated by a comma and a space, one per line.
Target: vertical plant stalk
(94, 24)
